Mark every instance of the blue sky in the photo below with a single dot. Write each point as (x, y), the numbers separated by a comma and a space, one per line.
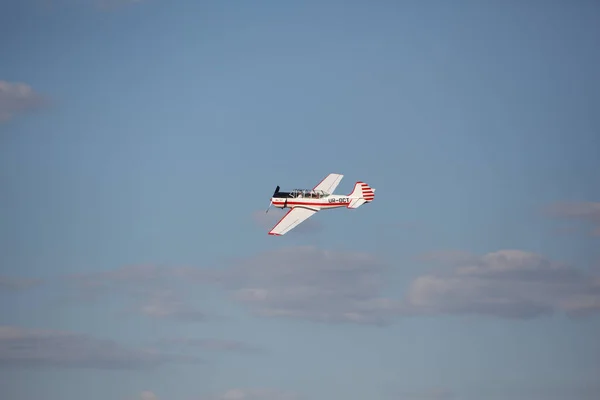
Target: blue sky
(140, 143)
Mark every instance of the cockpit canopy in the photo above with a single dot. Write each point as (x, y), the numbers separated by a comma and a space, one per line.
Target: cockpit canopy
(308, 193)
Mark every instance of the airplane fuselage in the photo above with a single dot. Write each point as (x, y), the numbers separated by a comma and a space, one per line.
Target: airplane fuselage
(330, 201)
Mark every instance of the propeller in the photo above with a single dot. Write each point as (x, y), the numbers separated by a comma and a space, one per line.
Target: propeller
(271, 202)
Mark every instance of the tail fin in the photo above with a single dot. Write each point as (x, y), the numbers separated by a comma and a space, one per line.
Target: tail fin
(361, 194)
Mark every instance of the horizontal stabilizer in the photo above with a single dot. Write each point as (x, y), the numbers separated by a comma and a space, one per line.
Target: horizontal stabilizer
(355, 203)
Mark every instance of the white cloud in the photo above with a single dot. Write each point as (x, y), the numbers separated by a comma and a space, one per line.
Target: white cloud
(506, 283)
(148, 395)
(297, 282)
(17, 98)
(313, 284)
(347, 287)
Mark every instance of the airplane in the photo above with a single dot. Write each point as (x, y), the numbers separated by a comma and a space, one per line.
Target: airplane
(304, 203)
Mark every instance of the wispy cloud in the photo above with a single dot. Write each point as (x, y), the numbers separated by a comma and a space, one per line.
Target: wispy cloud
(104, 5)
(151, 289)
(429, 394)
(452, 257)
(588, 212)
(254, 394)
(220, 345)
(112, 4)
(13, 283)
(166, 304)
(298, 282)
(347, 287)
(49, 348)
(18, 98)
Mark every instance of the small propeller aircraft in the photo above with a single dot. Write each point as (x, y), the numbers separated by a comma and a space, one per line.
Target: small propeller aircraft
(304, 203)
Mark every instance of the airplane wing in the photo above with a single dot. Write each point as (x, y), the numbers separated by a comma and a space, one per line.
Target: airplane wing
(292, 219)
(330, 182)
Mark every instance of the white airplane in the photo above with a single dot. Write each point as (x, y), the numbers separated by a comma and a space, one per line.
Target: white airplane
(304, 203)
